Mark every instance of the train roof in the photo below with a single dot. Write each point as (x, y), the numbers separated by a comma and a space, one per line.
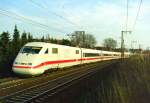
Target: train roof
(42, 44)
(36, 44)
(109, 52)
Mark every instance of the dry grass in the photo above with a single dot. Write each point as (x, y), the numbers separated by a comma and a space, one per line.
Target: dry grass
(126, 82)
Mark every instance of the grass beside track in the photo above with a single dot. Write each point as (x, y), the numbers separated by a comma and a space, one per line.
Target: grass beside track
(126, 82)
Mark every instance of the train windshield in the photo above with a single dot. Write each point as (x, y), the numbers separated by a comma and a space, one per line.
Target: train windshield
(31, 49)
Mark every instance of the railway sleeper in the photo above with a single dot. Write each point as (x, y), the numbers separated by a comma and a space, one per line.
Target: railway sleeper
(16, 100)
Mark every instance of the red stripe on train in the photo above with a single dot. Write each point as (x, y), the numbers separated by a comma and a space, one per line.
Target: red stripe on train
(54, 62)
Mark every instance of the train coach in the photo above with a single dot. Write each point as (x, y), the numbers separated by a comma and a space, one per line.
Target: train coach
(36, 57)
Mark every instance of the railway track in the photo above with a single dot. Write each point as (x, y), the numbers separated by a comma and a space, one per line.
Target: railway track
(16, 85)
(41, 91)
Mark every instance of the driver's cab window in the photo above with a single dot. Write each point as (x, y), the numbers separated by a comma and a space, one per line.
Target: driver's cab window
(31, 50)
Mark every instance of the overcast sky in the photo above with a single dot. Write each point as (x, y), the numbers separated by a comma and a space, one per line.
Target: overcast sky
(102, 18)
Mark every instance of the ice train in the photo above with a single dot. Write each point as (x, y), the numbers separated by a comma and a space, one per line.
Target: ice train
(36, 57)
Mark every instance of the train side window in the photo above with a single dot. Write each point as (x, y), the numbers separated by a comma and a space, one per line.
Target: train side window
(77, 51)
(46, 52)
(90, 54)
(55, 50)
(105, 54)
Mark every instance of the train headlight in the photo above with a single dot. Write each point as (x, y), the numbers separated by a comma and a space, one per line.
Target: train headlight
(23, 63)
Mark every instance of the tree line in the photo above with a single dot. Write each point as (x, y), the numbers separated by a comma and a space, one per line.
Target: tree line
(9, 47)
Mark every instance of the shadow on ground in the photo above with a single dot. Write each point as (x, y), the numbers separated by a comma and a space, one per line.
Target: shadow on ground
(6, 69)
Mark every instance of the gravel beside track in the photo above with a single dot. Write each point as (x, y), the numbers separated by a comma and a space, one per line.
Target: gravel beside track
(8, 80)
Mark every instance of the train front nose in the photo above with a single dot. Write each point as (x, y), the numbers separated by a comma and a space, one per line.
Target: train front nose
(23, 64)
(22, 68)
(27, 70)
(27, 65)
(27, 59)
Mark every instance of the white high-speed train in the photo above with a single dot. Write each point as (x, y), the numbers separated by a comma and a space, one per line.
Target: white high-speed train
(36, 57)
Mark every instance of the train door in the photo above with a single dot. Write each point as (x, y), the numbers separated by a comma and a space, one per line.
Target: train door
(81, 61)
(55, 57)
(50, 58)
(45, 58)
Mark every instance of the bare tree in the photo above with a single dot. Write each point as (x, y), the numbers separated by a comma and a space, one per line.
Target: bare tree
(110, 43)
(80, 39)
(90, 41)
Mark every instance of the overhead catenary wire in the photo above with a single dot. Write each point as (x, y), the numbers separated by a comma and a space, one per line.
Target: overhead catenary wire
(19, 17)
(138, 12)
(127, 13)
(60, 16)
(136, 18)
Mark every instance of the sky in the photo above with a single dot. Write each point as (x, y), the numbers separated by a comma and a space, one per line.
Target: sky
(101, 18)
